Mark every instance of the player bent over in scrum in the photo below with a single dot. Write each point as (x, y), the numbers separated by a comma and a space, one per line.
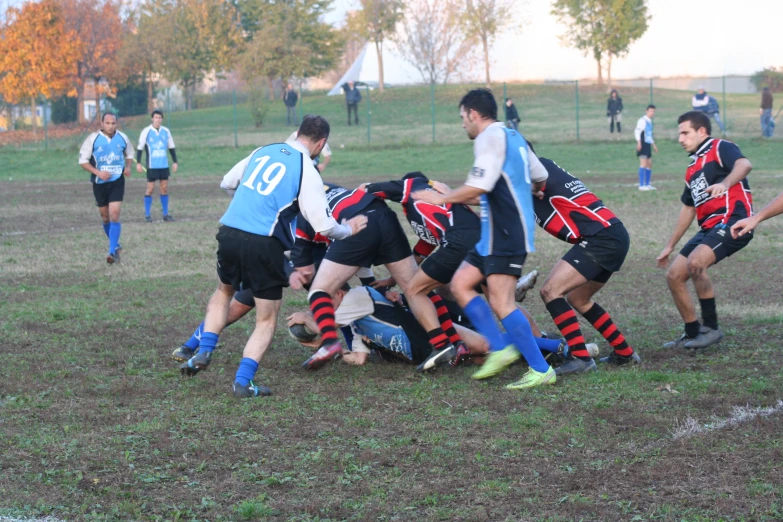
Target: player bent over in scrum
(566, 209)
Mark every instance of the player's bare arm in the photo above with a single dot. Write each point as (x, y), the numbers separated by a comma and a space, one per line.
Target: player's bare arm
(744, 226)
(683, 223)
(97, 173)
(464, 194)
(742, 168)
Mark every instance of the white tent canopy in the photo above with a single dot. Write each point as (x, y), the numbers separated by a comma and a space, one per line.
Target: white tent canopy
(365, 69)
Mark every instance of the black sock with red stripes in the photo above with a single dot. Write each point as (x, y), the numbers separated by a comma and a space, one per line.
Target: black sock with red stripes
(323, 312)
(568, 324)
(602, 321)
(444, 318)
(438, 339)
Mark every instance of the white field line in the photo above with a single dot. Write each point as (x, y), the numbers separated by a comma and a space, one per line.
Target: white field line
(690, 427)
(42, 519)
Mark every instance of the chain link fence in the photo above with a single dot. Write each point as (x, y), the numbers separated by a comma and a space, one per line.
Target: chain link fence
(550, 112)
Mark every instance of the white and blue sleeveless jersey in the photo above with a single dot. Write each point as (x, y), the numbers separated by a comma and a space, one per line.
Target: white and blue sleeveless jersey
(106, 154)
(502, 169)
(266, 199)
(644, 130)
(157, 143)
(371, 315)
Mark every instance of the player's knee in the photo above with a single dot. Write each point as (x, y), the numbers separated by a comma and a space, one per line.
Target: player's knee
(696, 267)
(548, 293)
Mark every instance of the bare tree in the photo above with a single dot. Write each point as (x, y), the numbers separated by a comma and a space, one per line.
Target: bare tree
(375, 22)
(432, 38)
(485, 20)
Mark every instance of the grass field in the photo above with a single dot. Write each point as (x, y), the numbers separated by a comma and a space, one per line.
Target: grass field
(96, 423)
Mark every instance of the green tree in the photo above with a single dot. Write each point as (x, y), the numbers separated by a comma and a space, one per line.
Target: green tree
(604, 28)
(375, 22)
(141, 50)
(287, 38)
(485, 20)
(768, 77)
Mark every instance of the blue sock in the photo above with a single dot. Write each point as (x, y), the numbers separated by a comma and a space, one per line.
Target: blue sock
(195, 339)
(208, 341)
(246, 371)
(480, 314)
(547, 345)
(164, 202)
(106, 228)
(641, 176)
(115, 228)
(348, 335)
(647, 176)
(147, 205)
(517, 326)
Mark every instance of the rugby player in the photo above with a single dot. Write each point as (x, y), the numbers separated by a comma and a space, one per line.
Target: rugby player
(107, 155)
(278, 181)
(717, 194)
(157, 142)
(501, 179)
(567, 209)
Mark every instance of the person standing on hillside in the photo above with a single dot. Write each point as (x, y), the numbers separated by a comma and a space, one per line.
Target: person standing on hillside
(767, 124)
(645, 144)
(614, 109)
(290, 98)
(107, 156)
(352, 99)
(156, 140)
(705, 103)
(512, 116)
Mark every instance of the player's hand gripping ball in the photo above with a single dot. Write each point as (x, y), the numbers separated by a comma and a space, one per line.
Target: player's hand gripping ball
(301, 333)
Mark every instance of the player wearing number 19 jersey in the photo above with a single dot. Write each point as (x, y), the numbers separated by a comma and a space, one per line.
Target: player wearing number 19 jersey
(566, 209)
(277, 182)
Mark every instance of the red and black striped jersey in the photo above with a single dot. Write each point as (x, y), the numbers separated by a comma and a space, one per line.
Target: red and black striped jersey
(568, 210)
(429, 222)
(344, 203)
(711, 164)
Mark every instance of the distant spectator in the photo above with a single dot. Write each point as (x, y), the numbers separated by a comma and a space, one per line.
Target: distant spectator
(290, 98)
(352, 99)
(705, 103)
(512, 116)
(614, 110)
(767, 123)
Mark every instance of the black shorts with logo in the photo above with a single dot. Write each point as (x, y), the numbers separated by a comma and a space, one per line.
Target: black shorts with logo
(245, 296)
(645, 151)
(382, 242)
(110, 192)
(488, 265)
(441, 264)
(719, 239)
(598, 257)
(158, 174)
(250, 261)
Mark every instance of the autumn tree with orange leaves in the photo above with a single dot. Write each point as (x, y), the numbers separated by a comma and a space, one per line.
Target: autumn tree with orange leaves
(38, 54)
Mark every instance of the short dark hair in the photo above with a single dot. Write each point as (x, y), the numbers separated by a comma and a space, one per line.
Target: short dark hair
(314, 127)
(482, 101)
(156, 111)
(107, 113)
(651, 106)
(697, 119)
(411, 175)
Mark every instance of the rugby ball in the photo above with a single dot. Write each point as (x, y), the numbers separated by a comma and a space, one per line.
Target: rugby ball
(302, 333)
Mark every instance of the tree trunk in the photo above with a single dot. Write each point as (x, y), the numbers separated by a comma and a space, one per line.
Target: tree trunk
(33, 119)
(485, 43)
(150, 93)
(271, 83)
(379, 50)
(609, 71)
(97, 100)
(80, 96)
(600, 73)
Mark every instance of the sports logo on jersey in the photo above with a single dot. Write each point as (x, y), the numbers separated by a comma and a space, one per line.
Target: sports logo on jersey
(285, 151)
(109, 158)
(699, 190)
(477, 172)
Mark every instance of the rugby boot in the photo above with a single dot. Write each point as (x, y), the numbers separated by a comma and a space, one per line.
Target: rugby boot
(563, 351)
(148, 219)
(113, 257)
(497, 362)
(524, 284)
(679, 343)
(201, 360)
(325, 353)
(616, 359)
(251, 390)
(707, 337)
(463, 354)
(438, 358)
(183, 353)
(187, 370)
(533, 378)
(575, 365)
(168, 218)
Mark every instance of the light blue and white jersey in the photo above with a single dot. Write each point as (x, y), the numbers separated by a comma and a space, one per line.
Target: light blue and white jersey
(157, 143)
(372, 316)
(644, 130)
(266, 199)
(106, 154)
(502, 168)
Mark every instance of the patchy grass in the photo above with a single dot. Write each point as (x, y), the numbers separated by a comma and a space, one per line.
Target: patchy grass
(96, 423)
